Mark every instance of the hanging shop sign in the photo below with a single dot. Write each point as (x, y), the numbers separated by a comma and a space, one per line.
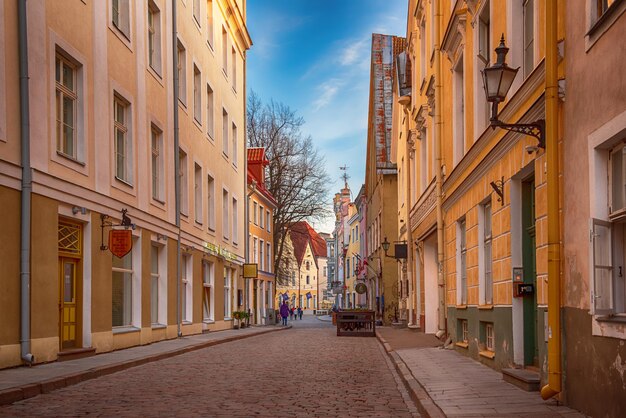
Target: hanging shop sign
(120, 242)
(360, 288)
(250, 271)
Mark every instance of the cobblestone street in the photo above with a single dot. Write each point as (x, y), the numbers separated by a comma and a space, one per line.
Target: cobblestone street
(303, 371)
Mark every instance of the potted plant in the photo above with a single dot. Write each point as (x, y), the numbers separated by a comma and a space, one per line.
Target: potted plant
(240, 316)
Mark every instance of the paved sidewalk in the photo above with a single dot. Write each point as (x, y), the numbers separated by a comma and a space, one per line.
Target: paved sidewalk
(25, 382)
(446, 383)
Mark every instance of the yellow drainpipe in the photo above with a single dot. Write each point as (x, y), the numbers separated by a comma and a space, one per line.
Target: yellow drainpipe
(438, 175)
(554, 234)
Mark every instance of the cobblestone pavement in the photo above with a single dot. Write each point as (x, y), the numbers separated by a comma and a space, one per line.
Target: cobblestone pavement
(305, 371)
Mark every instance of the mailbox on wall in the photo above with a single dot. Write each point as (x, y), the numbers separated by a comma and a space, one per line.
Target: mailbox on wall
(521, 289)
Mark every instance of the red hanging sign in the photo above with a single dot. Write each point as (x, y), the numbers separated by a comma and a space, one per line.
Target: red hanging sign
(120, 242)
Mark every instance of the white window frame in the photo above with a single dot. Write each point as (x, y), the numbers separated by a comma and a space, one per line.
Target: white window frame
(187, 288)
(153, 24)
(183, 172)
(182, 73)
(490, 338)
(157, 163)
(482, 59)
(211, 202)
(133, 310)
(225, 210)
(235, 232)
(210, 112)
(208, 285)
(225, 132)
(233, 64)
(227, 293)
(197, 94)
(234, 139)
(461, 262)
(161, 285)
(66, 92)
(198, 199)
(268, 255)
(124, 127)
(120, 17)
(261, 213)
(261, 255)
(458, 108)
(210, 27)
(268, 221)
(196, 12)
(528, 37)
(224, 52)
(485, 253)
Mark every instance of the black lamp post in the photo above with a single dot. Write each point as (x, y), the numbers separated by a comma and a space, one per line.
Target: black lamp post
(400, 252)
(497, 81)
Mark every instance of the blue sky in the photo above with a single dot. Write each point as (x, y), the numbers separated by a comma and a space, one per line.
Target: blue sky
(314, 56)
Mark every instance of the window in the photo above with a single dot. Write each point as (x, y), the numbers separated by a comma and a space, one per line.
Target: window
(196, 11)
(209, 22)
(254, 213)
(308, 266)
(154, 284)
(423, 160)
(255, 250)
(484, 46)
(122, 288)
(224, 52)
(198, 193)
(487, 258)
(461, 251)
(348, 268)
(235, 221)
(261, 255)
(182, 74)
(482, 60)
(261, 212)
(356, 233)
(227, 285)
(121, 131)
(602, 6)
(197, 94)
(617, 179)
(211, 202)
(423, 49)
(225, 223)
(458, 88)
(464, 331)
(268, 255)
(208, 281)
(154, 37)
(529, 24)
(308, 279)
(233, 63)
(120, 16)
(489, 337)
(225, 132)
(234, 139)
(325, 271)
(210, 112)
(187, 290)
(184, 188)
(157, 163)
(66, 107)
(268, 221)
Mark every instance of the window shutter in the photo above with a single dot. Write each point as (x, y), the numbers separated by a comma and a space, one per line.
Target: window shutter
(602, 293)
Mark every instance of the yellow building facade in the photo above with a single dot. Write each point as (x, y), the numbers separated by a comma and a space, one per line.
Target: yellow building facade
(101, 154)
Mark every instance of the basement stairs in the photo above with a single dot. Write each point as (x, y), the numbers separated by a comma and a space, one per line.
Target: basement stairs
(526, 378)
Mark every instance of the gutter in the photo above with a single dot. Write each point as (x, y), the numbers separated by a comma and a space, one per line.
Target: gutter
(27, 188)
(554, 232)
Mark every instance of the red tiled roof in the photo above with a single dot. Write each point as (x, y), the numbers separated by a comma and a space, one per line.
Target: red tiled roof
(257, 155)
(302, 234)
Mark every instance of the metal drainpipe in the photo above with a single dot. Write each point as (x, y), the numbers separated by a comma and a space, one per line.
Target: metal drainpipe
(439, 180)
(554, 234)
(246, 223)
(176, 163)
(27, 180)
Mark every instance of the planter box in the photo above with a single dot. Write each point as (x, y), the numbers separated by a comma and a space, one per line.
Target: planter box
(356, 324)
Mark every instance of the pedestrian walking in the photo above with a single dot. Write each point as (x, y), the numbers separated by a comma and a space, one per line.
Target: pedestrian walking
(291, 313)
(284, 312)
(300, 313)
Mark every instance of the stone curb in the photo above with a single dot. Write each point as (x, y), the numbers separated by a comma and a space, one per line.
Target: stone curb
(425, 404)
(9, 396)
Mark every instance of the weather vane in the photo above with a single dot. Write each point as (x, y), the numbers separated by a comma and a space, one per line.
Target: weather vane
(345, 175)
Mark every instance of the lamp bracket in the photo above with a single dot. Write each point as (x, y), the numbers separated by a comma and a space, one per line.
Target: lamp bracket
(536, 129)
(105, 222)
(498, 187)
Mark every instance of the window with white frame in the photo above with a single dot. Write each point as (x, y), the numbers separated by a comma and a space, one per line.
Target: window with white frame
(235, 233)
(158, 186)
(224, 51)
(268, 221)
(464, 331)
(122, 139)
(261, 212)
(208, 294)
(255, 206)
(458, 113)
(211, 202)
(184, 186)
(482, 60)
(485, 257)
(261, 255)
(255, 250)
(210, 112)
(154, 37)
(209, 23)
(197, 193)
(234, 145)
(122, 284)
(225, 132)
(154, 284)
(66, 106)
(461, 254)
(120, 16)
(233, 64)
(197, 94)
(268, 255)
(187, 288)
(489, 337)
(227, 296)
(422, 50)
(196, 11)
(225, 223)
(182, 74)
(423, 160)
(529, 36)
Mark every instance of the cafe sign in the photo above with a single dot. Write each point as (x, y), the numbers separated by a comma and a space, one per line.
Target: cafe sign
(120, 242)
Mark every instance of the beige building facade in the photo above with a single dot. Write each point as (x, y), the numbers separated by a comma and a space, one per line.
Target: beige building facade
(102, 154)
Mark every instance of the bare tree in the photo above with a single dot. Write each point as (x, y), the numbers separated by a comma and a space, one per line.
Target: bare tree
(296, 175)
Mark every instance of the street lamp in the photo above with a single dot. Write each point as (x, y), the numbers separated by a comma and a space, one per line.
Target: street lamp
(400, 251)
(497, 80)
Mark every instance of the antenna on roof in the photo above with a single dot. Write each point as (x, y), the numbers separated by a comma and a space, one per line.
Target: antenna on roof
(345, 175)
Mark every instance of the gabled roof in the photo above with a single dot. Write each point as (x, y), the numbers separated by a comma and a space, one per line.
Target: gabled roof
(257, 155)
(302, 234)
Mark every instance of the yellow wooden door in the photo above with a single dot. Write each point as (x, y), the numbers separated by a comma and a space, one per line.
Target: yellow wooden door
(67, 304)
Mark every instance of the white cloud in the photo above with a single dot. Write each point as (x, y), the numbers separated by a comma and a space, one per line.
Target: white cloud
(328, 90)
